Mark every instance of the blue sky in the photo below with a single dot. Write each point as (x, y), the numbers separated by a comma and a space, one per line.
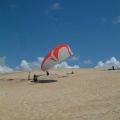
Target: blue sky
(29, 29)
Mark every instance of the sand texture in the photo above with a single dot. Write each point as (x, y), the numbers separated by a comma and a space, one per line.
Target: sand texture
(88, 94)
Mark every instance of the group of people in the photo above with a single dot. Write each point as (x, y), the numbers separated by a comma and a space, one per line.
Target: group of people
(36, 76)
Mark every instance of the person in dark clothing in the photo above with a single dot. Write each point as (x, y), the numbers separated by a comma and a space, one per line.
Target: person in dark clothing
(35, 78)
(113, 68)
(47, 73)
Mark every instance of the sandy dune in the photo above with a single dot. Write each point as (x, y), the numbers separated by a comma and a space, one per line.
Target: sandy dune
(88, 94)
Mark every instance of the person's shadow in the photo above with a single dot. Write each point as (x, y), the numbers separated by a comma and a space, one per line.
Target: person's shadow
(44, 81)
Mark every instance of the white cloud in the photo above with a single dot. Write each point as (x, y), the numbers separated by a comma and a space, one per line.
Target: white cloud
(40, 59)
(65, 65)
(3, 67)
(24, 65)
(88, 62)
(116, 20)
(74, 58)
(109, 63)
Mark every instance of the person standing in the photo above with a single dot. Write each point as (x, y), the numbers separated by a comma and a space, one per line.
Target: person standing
(113, 68)
(47, 73)
(29, 76)
(35, 78)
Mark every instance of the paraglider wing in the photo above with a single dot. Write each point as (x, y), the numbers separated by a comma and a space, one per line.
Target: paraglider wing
(55, 56)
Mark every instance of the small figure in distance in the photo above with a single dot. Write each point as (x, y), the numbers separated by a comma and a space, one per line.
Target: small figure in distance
(35, 78)
(72, 72)
(113, 68)
(29, 76)
(47, 73)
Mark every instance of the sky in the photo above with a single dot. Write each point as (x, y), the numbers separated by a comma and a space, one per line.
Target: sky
(29, 29)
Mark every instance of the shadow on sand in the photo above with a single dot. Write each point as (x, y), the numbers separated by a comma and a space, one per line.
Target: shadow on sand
(44, 81)
(110, 69)
(10, 79)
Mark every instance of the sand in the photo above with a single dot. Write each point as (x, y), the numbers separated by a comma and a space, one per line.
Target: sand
(88, 94)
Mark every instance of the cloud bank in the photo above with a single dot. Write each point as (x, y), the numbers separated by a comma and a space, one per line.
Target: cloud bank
(3, 67)
(25, 65)
(109, 63)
